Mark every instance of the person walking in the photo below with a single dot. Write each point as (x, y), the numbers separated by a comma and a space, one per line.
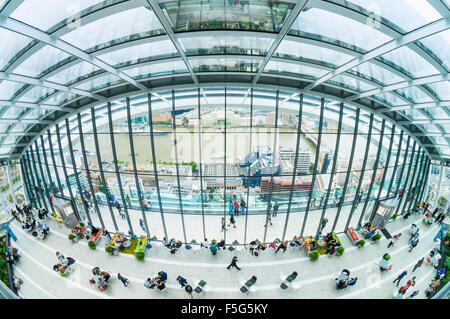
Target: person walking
(188, 289)
(243, 206)
(415, 293)
(141, 223)
(232, 221)
(222, 223)
(269, 221)
(399, 278)
(435, 211)
(182, 281)
(323, 224)
(236, 208)
(127, 199)
(230, 207)
(313, 203)
(275, 209)
(124, 280)
(411, 282)
(440, 219)
(233, 263)
(144, 203)
(119, 209)
(418, 264)
(394, 240)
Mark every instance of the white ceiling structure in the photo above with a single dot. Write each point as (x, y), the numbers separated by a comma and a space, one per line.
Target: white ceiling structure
(61, 56)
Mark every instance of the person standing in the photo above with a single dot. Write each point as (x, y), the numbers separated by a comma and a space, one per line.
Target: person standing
(323, 224)
(275, 209)
(128, 200)
(232, 221)
(243, 207)
(313, 203)
(399, 278)
(124, 280)
(144, 203)
(222, 223)
(233, 263)
(411, 282)
(119, 209)
(394, 240)
(230, 207)
(418, 264)
(141, 223)
(188, 289)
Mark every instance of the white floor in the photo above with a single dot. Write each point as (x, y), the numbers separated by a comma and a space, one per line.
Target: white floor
(317, 278)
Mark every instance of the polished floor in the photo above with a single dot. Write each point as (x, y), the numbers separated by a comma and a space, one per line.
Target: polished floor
(316, 278)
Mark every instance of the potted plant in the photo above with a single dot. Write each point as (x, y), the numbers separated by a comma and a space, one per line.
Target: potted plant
(92, 244)
(340, 251)
(71, 237)
(361, 243)
(109, 250)
(376, 237)
(140, 255)
(314, 255)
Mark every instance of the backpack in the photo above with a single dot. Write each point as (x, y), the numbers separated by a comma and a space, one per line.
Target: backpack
(403, 289)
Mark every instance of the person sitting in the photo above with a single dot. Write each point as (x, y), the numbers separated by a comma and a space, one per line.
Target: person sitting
(149, 283)
(213, 248)
(182, 281)
(60, 267)
(102, 284)
(162, 276)
(205, 243)
(105, 276)
(428, 219)
(160, 284)
(221, 244)
(370, 234)
(178, 244)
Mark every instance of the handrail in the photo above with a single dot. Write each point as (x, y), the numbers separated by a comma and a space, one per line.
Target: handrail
(9, 267)
(6, 293)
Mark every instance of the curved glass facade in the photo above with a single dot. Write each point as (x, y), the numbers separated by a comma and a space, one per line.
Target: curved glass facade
(188, 153)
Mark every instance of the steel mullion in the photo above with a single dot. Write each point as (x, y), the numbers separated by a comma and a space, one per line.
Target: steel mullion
(386, 169)
(24, 179)
(200, 160)
(414, 178)
(47, 168)
(419, 182)
(396, 163)
(273, 155)
(363, 169)
(155, 168)
(116, 166)
(10, 182)
(133, 160)
(248, 171)
(294, 173)
(425, 180)
(35, 178)
(176, 164)
(405, 191)
(100, 168)
(30, 177)
(397, 188)
(333, 168)
(43, 178)
(225, 168)
(28, 182)
(63, 163)
(52, 153)
(349, 169)
(77, 178)
(374, 173)
(88, 172)
(316, 161)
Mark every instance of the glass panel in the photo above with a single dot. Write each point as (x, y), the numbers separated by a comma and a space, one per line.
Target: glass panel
(408, 15)
(370, 70)
(406, 60)
(50, 12)
(35, 114)
(41, 61)
(415, 94)
(15, 41)
(351, 83)
(389, 98)
(13, 113)
(162, 68)
(201, 64)
(138, 53)
(187, 15)
(8, 89)
(36, 94)
(99, 82)
(294, 69)
(322, 24)
(60, 98)
(435, 43)
(308, 52)
(442, 89)
(72, 74)
(140, 21)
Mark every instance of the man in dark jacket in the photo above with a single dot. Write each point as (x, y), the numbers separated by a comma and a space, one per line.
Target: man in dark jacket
(233, 263)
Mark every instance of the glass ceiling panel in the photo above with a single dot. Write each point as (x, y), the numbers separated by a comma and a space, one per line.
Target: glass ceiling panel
(334, 28)
(124, 24)
(439, 139)
(202, 64)
(414, 114)
(308, 52)
(36, 114)
(46, 14)
(4, 127)
(8, 88)
(415, 94)
(99, 82)
(351, 83)
(13, 113)
(407, 60)
(436, 113)
(2, 2)
(133, 54)
(35, 94)
(5, 150)
(59, 98)
(73, 73)
(406, 14)
(389, 98)
(16, 42)
(227, 44)
(172, 67)
(430, 128)
(294, 69)
(442, 89)
(188, 15)
(41, 61)
(19, 128)
(436, 43)
(371, 70)
(10, 139)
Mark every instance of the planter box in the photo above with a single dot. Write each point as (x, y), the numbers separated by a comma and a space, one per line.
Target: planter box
(141, 246)
(83, 229)
(95, 238)
(354, 238)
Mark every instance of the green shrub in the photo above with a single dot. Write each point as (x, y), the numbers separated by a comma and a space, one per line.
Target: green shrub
(314, 255)
(71, 236)
(109, 249)
(377, 237)
(340, 251)
(361, 243)
(92, 244)
(140, 255)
